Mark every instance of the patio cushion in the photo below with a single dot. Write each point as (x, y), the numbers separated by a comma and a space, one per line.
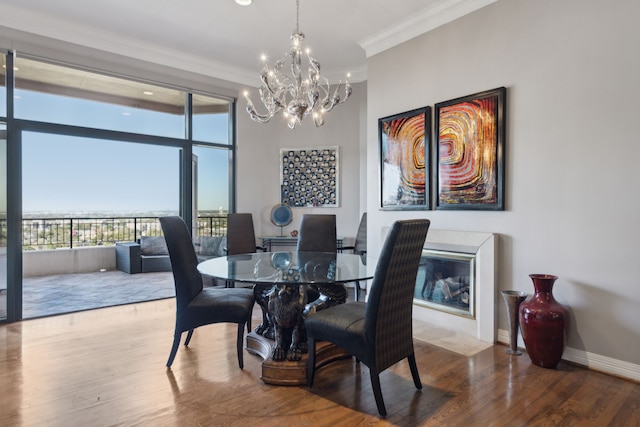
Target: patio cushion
(153, 245)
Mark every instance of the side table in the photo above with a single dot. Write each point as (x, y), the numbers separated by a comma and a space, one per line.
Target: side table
(128, 257)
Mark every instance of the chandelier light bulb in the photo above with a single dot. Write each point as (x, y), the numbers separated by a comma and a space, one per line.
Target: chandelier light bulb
(296, 95)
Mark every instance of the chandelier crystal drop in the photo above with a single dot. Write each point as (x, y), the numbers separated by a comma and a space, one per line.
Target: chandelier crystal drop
(295, 96)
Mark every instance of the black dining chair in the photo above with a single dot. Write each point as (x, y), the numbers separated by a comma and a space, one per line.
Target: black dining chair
(359, 248)
(379, 332)
(197, 306)
(241, 236)
(241, 239)
(317, 233)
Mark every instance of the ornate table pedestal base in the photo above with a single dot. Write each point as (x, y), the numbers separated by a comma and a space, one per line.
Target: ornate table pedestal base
(287, 372)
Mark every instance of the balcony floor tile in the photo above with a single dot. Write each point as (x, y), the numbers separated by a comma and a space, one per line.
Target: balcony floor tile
(51, 295)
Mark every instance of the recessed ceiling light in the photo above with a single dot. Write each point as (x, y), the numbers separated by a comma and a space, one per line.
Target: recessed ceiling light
(244, 2)
(147, 92)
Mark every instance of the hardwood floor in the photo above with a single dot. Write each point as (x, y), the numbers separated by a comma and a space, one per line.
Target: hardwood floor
(107, 368)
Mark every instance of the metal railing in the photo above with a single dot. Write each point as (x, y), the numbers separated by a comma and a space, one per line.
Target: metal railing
(55, 233)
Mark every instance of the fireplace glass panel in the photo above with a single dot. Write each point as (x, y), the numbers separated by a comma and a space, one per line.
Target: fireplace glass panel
(446, 282)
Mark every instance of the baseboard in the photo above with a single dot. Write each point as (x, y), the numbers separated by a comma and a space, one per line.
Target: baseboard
(593, 361)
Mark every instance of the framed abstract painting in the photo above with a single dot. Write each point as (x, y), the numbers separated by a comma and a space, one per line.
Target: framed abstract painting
(404, 160)
(469, 151)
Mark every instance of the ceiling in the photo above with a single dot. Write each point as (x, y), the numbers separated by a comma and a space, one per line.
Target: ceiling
(221, 39)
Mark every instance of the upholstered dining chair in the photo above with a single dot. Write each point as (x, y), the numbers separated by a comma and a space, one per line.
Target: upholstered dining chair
(377, 333)
(241, 236)
(317, 233)
(197, 306)
(241, 239)
(359, 248)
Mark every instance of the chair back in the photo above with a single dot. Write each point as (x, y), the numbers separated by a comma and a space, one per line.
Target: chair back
(184, 262)
(360, 245)
(241, 237)
(388, 316)
(317, 233)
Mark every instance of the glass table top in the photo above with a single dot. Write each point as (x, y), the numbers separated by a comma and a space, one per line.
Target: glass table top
(290, 267)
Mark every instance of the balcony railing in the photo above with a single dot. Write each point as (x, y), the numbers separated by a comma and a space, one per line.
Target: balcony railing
(54, 233)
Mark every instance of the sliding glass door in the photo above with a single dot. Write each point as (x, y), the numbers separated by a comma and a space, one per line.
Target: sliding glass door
(91, 160)
(79, 197)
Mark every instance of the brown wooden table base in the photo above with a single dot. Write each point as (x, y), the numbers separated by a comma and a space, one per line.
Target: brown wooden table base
(287, 372)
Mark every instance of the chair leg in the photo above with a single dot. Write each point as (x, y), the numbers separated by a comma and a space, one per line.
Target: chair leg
(174, 347)
(356, 290)
(311, 361)
(188, 340)
(240, 344)
(377, 392)
(414, 371)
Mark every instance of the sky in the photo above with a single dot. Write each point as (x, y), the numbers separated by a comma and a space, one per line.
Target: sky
(74, 174)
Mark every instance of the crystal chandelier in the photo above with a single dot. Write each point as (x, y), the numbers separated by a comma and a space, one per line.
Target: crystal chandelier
(295, 96)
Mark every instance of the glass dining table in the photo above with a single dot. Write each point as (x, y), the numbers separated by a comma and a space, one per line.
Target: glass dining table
(288, 287)
(292, 268)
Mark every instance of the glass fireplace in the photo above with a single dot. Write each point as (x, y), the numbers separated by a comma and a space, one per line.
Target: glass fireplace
(446, 282)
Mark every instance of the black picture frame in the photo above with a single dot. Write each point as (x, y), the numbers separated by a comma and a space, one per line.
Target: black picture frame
(469, 146)
(404, 154)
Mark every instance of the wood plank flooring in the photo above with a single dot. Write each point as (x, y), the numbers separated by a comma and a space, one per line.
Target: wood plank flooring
(107, 368)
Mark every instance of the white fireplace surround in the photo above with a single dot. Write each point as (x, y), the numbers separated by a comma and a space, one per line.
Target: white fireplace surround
(484, 245)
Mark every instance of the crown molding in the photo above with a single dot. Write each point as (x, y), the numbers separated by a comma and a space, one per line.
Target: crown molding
(434, 16)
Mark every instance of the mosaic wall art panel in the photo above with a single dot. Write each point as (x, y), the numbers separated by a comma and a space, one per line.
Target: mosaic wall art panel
(309, 176)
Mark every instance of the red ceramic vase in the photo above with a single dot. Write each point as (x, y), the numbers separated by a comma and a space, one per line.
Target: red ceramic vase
(543, 323)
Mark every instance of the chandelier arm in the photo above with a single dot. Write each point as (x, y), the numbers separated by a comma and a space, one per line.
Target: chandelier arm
(255, 116)
(335, 99)
(314, 70)
(313, 95)
(274, 94)
(296, 67)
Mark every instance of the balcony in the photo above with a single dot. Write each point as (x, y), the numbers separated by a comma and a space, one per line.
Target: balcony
(69, 263)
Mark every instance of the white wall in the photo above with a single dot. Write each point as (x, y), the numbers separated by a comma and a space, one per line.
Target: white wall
(571, 70)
